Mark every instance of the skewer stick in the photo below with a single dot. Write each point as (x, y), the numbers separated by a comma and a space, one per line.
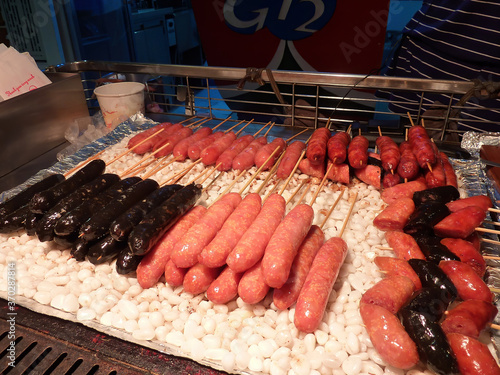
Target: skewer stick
(271, 173)
(200, 123)
(208, 175)
(239, 131)
(132, 148)
(411, 120)
(212, 182)
(162, 165)
(490, 241)
(205, 170)
(144, 159)
(297, 190)
(348, 130)
(333, 207)
(494, 210)
(486, 230)
(304, 193)
(232, 127)
(379, 131)
(429, 166)
(296, 135)
(182, 173)
(85, 162)
(268, 130)
(293, 172)
(495, 290)
(320, 187)
(272, 190)
(219, 124)
(258, 171)
(256, 134)
(229, 187)
(141, 168)
(348, 214)
(490, 257)
(186, 120)
(495, 223)
(495, 326)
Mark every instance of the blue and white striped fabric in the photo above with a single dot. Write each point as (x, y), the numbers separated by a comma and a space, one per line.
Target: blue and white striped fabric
(456, 40)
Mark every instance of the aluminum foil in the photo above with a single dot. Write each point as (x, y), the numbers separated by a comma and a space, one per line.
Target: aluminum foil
(472, 141)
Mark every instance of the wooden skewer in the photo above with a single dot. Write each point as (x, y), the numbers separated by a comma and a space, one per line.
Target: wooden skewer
(219, 124)
(208, 175)
(203, 172)
(182, 173)
(268, 130)
(495, 290)
(348, 214)
(320, 187)
(258, 171)
(134, 147)
(494, 223)
(490, 241)
(232, 127)
(186, 120)
(271, 173)
(429, 166)
(333, 207)
(85, 162)
(162, 165)
(486, 230)
(305, 192)
(271, 191)
(297, 190)
(296, 135)
(256, 134)
(239, 131)
(293, 172)
(141, 168)
(494, 210)
(379, 131)
(411, 120)
(211, 182)
(127, 171)
(495, 326)
(229, 187)
(491, 257)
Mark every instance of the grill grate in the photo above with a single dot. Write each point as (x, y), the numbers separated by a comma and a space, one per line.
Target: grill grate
(46, 345)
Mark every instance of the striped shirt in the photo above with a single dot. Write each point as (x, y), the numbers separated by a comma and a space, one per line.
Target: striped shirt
(455, 40)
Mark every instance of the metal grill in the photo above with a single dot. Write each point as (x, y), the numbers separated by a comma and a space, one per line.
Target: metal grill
(291, 98)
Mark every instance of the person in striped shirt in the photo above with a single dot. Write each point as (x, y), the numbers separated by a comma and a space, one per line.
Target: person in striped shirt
(453, 40)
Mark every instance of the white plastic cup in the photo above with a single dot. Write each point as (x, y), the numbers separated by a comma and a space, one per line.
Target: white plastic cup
(119, 101)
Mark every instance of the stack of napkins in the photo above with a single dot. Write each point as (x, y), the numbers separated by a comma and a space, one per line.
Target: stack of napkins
(18, 73)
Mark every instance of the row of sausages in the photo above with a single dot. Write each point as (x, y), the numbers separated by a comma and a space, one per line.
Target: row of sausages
(406, 312)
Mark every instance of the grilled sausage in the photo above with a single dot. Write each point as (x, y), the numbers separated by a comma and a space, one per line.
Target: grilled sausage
(198, 278)
(404, 246)
(473, 356)
(290, 158)
(338, 172)
(391, 293)
(16, 220)
(245, 159)
(167, 145)
(252, 287)
(370, 175)
(432, 276)
(432, 248)
(194, 150)
(461, 223)
(225, 287)
(210, 154)
(180, 151)
(397, 266)
(337, 147)
(402, 190)
(408, 166)
(317, 171)
(425, 217)
(390, 180)
(225, 160)
(174, 276)
(421, 146)
(126, 262)
(482, 201)
(105, 250)
(469, 317)
(148, 145)
(395, 216)
(449, 172)
(389, 153)
(357, 153)
(467, 254)
(316, 147)
(264, 153)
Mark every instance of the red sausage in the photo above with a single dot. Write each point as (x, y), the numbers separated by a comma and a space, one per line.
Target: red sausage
(389, 337)
(469, 318)
(461, 223)
(337, 147)
(198, 278)
(389, 153)
(391, 293)
(469, 285)
(404, 246)
(225, 160)
(316, 148)
(307, 168)
(174, 276)
(482, 201)
(290, 158)
(357, 153)
(210, 153)
(408, 166)
(402, 190)
(172, 141)
(467, 254)
(397, 266)
(264, 153)
(195, 149)
(284, 244)
(451, 177)
(245, 159)
(395, 215)
(473, 356)
(421, 146)
(138, 138)
(152, 266)
(390, 180)
(252, 287)
(225, 287)
(338, 172)
(251, 246)
(185, 252)
(287, 295)
(314, 295)
(161, 137)
(216, 252)
(370, 175)
(437, 177)
(180, 150)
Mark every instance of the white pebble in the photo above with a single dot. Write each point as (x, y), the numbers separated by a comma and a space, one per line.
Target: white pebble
(42, 297)
(128, 309)
(352, 365)
(85, 313)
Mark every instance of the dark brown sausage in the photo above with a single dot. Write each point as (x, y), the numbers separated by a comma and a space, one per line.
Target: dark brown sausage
(357, 153)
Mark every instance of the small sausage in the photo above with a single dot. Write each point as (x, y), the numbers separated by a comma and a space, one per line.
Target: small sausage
(313, 297)
(252, 287)
(251, 246)
(436, 177)
(316, 147)
(473, 356)
(169, 143)
(389, 337)
(408, 166)
(225, 287)
(152, 266)
(390, 180)
(211, 153)
(432, 345)
(391, 293)
(482, 201)
(404, 246)
(469, 285)
(164, 135)
(338, 172)
(397, 266)
(461, 223)
(225, 160)
(174, 276)
(467, 254)
(275, 148)
(80, 248)
(290, 159)
(284, 244)
(449, 172)
(389, 153)
(441, 194)
(469, 317)
(105, 249)
(147, 145)
(245, 159)
(198, 278)
(287, 295)
(185, 252)
(357, 153)
(216, 252)
(421, 146)
(402, 190)
(317, 171)
(127, 262)
(370, 175)
(180, 151)
(395, 216)
(337, 147)
(195, 149)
